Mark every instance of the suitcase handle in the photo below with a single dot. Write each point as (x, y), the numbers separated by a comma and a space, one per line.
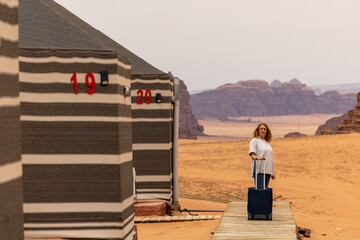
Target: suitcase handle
(258, 173)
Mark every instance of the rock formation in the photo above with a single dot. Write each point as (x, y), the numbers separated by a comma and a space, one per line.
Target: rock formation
(295, 81)
(331, 125)
(189, 127)
(294, 134)
(352, 122)
(258, 98)
(275, 83)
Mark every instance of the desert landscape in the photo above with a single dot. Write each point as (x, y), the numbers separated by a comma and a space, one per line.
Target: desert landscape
(318, 175)
(280, 125)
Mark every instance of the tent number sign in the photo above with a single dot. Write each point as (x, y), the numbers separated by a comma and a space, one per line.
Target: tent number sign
(147, 96)
(90, 84)
(91, 88)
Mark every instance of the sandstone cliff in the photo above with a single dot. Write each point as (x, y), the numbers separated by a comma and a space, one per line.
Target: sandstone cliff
(331, 125)
(189, 127)
(352, 122)
(258, 98)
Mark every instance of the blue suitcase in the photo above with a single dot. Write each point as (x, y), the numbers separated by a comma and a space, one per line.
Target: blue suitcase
(260, 202)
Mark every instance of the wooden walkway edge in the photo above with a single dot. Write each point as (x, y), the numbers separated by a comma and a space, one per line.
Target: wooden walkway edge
(154, 219)
(235, 224)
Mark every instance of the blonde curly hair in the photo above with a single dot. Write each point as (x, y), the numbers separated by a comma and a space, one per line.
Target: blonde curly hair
(268, 135)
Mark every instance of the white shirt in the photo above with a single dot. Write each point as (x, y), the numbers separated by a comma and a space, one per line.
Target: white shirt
(262, 149)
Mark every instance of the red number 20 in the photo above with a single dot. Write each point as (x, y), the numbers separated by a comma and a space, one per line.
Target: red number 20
(139, 101)
(147, 96)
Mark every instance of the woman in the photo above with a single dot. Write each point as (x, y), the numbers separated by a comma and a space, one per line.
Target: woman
(260, 148)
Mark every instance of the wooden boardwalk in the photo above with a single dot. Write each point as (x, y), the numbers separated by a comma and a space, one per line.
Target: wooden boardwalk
(235, 224)
(153, 219)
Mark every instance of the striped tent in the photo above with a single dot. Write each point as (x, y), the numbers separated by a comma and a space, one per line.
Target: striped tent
(46, 24)
(152, 135)
(11, 200)
(76, 144)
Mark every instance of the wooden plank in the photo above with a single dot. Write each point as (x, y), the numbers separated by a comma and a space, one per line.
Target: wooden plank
(235, 224)
(152, 219)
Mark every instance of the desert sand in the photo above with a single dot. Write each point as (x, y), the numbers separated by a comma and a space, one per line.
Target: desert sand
(280, 125)
(184, 230)
(318, 175)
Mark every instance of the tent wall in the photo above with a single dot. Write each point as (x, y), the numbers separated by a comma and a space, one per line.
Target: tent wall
(46, 24)
(152, 136)
(11, 200)
(77, 152)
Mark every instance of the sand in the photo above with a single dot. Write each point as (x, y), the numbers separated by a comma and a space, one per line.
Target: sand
(184, 230)
(318, 175)
(279, 125)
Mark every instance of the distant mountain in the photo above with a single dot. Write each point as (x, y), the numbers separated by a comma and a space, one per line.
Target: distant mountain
(295, 81)
(275, 83)
(258, 98)
(198, 91)
(341, 88)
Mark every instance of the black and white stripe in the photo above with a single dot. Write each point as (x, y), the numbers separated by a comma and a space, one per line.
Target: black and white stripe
(77, 148)
(47, 24)
(152, 137)
(11, 196)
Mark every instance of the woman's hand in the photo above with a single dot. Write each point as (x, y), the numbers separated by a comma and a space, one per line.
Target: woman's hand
(273, 177)
(254, 157)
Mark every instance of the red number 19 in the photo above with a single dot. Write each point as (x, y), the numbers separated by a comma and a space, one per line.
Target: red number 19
(91, 84)
(73, 78)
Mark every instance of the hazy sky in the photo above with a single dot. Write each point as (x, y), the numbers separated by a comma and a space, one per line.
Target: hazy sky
(208, 43)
